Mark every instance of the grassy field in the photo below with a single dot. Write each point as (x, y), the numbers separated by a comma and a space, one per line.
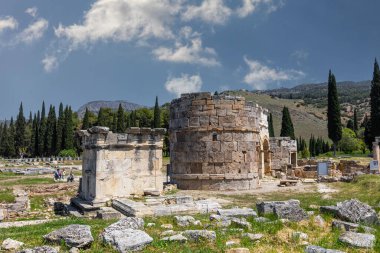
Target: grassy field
(6, 195)
(277, 235)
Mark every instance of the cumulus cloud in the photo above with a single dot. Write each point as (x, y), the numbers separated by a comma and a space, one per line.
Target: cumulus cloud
(122, 20)
(49, 63)
(8, 23)
(183, 84)
(260, 75)
(193, 53)
(32, 11)
(33, 32)
(211, 11)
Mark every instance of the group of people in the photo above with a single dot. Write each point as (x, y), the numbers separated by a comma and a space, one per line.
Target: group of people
(59, 175)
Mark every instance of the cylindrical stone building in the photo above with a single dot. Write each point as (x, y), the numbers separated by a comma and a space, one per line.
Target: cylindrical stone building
(217, 142)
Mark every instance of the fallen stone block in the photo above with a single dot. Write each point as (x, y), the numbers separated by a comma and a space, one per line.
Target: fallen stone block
(253, 237)
(349, 226)
(318, 249)
(42, 249)
(184, 221)
(108, 213)
(358, 239)
(241, 222)
(175, 238)
(74, 235)
(197, 235)
(267, 207)
(11, 245)
(237, 212)
(126, 240)
(291, 212)
(355, 211)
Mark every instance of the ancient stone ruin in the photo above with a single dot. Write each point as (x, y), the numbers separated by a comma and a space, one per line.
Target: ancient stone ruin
(217, 142)
(284, 152)
(117, 165)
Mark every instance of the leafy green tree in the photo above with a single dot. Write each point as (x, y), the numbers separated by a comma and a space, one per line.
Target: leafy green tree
(20, 132)
(287, 128)
(334, 124)
(270, 125)
(157, 115)
(349, 143)
(120, 123)
(375, 102)
(105, 117)
(86, 120)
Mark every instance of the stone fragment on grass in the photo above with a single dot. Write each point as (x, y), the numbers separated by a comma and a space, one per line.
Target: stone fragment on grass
(42, 249)
(167, 226)
(74, 235)
(175, 238)
(318, 249)
(355, 211)
(261, 219)
(241, 222)
(197, 235)
(291, 212)
(126, 240)
(319, 221)
(184, 221)
(297, 235)
(267, 207)
(169, 233)
(10, 244)
(253, 237)
(349, 226)
(358, 239)
(238, 250)
(237, 212)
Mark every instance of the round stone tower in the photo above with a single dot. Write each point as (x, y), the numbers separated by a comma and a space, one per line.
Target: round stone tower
(217, 142)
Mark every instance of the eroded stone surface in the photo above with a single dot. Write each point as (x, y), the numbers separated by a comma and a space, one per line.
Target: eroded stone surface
(268, 207)
(253, 237)
(10, 244)
(318, 249)
(42, 249)
(126, 240)
(184, 221)
(355, 211)
(175, 238)
(349, 226)
(74, 235)
(359, 240)
(237, 212)
(196, 235)
(290, 212)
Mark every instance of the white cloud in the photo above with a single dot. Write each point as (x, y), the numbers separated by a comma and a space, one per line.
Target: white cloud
(210, 11)
(8, 23)
(183, 84)
(50, 62)
(260, 75)
(122, 20)
(193, 54)
(299, 56)
(250, 6)
(33, 32)
(32, 11)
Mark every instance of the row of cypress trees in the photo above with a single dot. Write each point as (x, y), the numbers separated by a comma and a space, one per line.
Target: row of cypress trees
(40, 135)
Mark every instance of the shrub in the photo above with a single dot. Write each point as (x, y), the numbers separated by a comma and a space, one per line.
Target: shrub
(68, 153)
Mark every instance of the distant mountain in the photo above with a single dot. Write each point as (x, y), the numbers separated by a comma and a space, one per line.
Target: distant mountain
(94, 106)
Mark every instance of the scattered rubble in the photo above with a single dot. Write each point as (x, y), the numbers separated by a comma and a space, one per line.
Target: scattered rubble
(74, 235)
(358, 239)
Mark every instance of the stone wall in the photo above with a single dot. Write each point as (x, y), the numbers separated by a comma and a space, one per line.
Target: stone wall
(216, 142)
(376, 149)
(117, 165)
(284, 152)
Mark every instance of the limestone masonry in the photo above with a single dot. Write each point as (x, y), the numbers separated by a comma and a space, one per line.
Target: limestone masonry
(217, 142)
(284, 152)
(117, 165)
(376, 149)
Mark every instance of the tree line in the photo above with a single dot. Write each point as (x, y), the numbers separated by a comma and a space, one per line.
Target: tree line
(54, 133)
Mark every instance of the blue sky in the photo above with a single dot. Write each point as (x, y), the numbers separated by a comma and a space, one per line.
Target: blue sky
(79, 51)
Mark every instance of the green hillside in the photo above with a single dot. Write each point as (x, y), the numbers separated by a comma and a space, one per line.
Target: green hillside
(307, 119)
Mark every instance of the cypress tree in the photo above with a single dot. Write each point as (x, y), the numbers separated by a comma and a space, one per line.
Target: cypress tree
(41, 133)
(120, 127)
(102, 117)
(270, 125)
(114, 123)
(156, 115)
(20, 132)
(60, 126)
(350, 124)
(86, 120)
(375, 102)
(356, 125)
(287, 128)
(33, 136)
(37, 134)
(334, 124)
(51, 132)
(68, 129)
(4, 140)
(11, 140)
(30, 121)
